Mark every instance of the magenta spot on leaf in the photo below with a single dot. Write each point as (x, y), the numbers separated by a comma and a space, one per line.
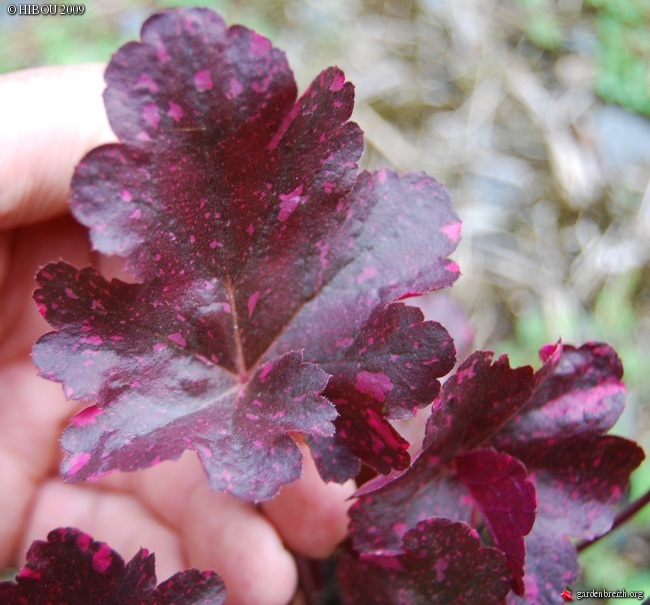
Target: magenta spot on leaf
(76, 462)
(367, 273)
(136, 214)
(252, 301)
(151, 115)
(289, 202)
(83, 541)
(440, 568)
(400, 528)
(92, 340)
(203, 80)
(337, 82)
(161, 52)
(175, 111)
(87, 416)
(375, 384)
(146, 81)
(126, 195)
(235, 88)
(266, 369)
(103, 558)
(28, 572)
(452, 231)
(70, 294)
(260, 45)
(143, 136)
(178, 338)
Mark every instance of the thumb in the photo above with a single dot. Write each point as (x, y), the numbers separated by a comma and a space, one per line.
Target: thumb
(49, 118)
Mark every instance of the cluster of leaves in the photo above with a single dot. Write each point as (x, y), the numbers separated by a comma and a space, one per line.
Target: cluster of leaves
(510, 450)
(266, 310)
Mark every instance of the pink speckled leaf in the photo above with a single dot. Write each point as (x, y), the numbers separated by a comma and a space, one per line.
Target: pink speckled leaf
(73, 568)
(388, 372)
(479, 398)
(439, 561)
(578, 471)
(582, 393)
(259, 253)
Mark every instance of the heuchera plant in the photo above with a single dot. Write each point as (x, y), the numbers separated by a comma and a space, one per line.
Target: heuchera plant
(265, 312)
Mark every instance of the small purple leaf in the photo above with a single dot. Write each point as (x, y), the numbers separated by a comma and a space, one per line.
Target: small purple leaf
(395, 361)
(498, 485)
(73, 568)
(389, 371)
(480, 397)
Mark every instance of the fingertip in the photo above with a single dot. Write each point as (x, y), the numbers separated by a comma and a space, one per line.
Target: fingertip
(309, 514)
(231, 538)
(50, 118)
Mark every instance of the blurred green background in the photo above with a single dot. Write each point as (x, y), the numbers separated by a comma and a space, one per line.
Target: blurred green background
(532, 112)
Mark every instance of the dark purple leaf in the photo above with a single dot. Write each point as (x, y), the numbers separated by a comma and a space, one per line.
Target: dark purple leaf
(439, 562)
(507, 500)
(73, 568)
(479, 398)
(395, 361)
(388, 509)
(551, 565)
(578, 471)
(259, 254)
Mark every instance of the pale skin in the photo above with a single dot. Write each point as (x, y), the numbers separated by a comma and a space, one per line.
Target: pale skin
(49, 118)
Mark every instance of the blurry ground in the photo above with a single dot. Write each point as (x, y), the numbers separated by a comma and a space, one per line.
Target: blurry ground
(499, 100)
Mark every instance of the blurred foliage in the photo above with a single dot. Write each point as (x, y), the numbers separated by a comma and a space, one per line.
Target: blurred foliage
(623, 44)
(623, 28)
(543, 26)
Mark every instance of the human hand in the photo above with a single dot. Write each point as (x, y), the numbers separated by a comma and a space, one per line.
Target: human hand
(49, 118)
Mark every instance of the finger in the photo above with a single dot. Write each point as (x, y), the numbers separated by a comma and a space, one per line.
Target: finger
(32, 412)
(49, 118)
(115, 518)
(243, 547)
(30, 249)
(309, 514)
(220, 532)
